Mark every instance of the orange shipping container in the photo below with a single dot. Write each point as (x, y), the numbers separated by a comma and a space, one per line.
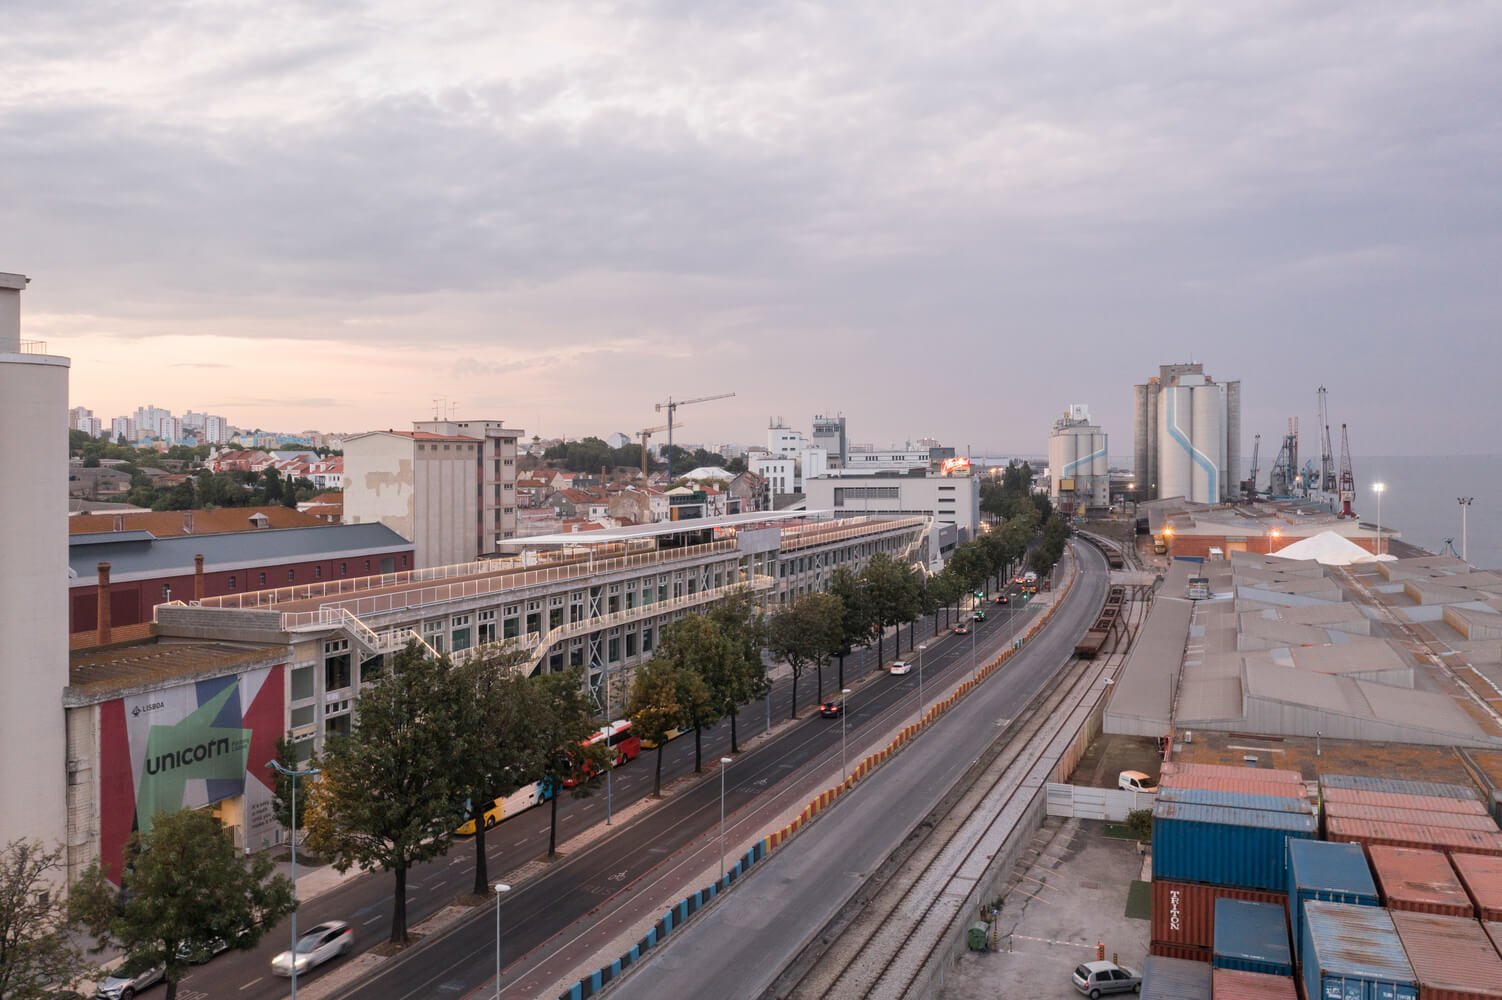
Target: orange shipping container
(1246, 786)
(1184, 914)
(1184, 952)
(1228, 771)
(1419, 881)
(1398, 800)
(1411, 817)
(1482, 877)
(1452, 958)
(1237, 984)
(1369, 832)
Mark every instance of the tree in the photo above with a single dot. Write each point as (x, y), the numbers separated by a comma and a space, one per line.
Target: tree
(697, 646)
(565, 719)
(187, 893)
(497, 750)
(387, 798)
(36, 952)
(654, 708)
(858, 617)
(281, 792)
(894, 591)
(742, 675)
(808, 631)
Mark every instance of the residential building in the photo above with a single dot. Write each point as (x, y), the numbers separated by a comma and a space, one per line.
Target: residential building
(829, 435)
(81, 418)
(780, 473)
(122, 427)
(783, 440)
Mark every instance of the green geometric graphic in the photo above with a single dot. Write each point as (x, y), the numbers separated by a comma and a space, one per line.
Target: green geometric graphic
(193, 748)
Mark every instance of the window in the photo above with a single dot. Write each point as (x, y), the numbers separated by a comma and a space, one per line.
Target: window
(291, 575)
(367, 565)
(302, 683)
(336, 672)
(336, 726)
(646, 640)
(630, 644)
(232, 583)
(343, 568)
(262, 581)
(318, 572)
(615, 650)
(302, 716)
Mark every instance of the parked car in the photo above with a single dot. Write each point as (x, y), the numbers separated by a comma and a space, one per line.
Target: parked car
(900, 667)
(961, 630)
(131, 978)
(1094, 979)
(832, 709)
(327, 940)
(1135, 781)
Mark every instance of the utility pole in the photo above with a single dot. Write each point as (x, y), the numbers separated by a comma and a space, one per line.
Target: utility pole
(1465, 506)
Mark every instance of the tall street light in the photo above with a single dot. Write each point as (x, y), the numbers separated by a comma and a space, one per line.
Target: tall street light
(1465, 505)
(844, 711)
(1379, 489)
(500, 889)
(1272, 535)
(724, 762)
(294, 774)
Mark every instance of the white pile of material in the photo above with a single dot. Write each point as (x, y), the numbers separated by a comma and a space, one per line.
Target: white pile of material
(1328, 549)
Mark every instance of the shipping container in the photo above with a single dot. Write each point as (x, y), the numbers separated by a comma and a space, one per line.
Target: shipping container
(1369, 832)
(1183, 952)
(1234, 984)
(1236, 800)
(1224, 846)
(1481, 875)
(1493, 930)
(1398, 786)
(1248, 785)
(1184, 912)
(1393, 800)
(1174, 979)
(1452, 957)
(1419, 881)
(1412, 817)
(1335, 873)
(1252, 937)
(1174, 767)
(1353, 953)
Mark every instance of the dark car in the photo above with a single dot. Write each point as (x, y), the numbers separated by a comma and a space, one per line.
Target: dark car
(832, 709)
(1003, 599)
(961, 630)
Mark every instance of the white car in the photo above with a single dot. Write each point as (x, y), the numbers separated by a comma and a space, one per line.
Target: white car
(1135, 781)
(900, 667)
(130, 979)
(329, 939)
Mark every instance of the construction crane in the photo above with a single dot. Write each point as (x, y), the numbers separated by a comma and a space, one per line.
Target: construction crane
(1326, 458)
(1249, 488)
(1284, 478)
(646, 435)
(1347, 478)
(672, 406)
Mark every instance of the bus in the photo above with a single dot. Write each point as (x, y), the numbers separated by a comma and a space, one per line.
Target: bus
(617, 735)
(507, 806)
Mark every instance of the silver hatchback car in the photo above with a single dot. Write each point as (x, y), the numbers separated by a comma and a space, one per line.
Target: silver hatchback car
(1095, 979)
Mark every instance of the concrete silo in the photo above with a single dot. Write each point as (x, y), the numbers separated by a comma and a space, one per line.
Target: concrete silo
(1077, 464)
(1187, 435)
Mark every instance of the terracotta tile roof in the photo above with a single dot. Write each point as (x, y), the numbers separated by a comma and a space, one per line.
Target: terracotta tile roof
(170, 523)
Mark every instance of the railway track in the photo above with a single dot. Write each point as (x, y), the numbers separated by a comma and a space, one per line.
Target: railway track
(882, 943)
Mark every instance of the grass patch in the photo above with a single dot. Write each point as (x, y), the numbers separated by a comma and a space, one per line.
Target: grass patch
(1118, 830)
(1139, 904)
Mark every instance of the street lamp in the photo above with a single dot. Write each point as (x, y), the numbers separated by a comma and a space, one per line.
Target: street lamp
(920, 681)
(724, 761)
(1465, 505)
(499, 887)
(1272, 535)
(844, 711)
(1379, 489)
(294, 774)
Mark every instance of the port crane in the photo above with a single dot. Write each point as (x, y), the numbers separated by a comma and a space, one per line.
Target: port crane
(1326, 459)
(646, 435)
(1347, 478)
(672, 407)
(1249, 488)
(1285, 474)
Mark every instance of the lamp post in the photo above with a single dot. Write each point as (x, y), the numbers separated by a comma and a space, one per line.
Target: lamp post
(724, 762)
(920, 680)
(294, 774)
(1379, 489)
(1272, 535)
(844, 711)
(499, 888)
(1465, 506)
(608, 723)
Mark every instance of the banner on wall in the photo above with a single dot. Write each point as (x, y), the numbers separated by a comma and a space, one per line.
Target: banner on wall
(190, 746)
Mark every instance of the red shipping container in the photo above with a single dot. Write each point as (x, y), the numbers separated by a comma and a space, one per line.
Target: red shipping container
(1238, 984)
(1230, 771)
(1419, 881)
(1482, 877)
(1184, 912)
(1368, 832)
(1398, 800)
(1187, 952)
(1452, 957)
(1410, 817)
(1246, 786)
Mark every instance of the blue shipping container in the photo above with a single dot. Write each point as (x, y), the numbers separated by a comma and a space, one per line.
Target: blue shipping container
(1354, 953)
(1236, 800)
(1175, 979)
(1252, 937)
(1398, 786)
(1335, 873)
(1224, 846)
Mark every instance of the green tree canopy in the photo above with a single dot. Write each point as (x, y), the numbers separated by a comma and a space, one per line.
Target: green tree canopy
(806, 632)
(654, 708)
(742, 675)
(699, 648)
(37, 954)
(564, 720)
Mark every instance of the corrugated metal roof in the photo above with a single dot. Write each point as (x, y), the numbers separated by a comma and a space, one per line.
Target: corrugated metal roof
(1227, 816)
(1398, 786)
(1356, 941)
(1450, 953)
(1370, 832)
(1250, 930)
(1316, 865)
(1235, 799)
(235, 549)
(1174, 979)
(1410, 817)
(1232, 772)
(1399, 800)
(1237, 984)
(1417, 879)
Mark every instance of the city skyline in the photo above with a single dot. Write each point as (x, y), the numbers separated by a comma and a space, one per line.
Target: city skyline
(944, 222)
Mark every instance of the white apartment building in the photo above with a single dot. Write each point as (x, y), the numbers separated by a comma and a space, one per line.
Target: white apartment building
(784, 441)
(780, 473)
(952, 500)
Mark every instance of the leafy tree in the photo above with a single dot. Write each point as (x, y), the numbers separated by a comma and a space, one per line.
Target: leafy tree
(387, 798)
(742, 675)
(36, 952)
(894, 591)
(808, 631)
(939, 591)
(187, 892)
(858, 618)
(654, 708)
(281, 792)
(497, 750)
(565, 719)
(697, 646)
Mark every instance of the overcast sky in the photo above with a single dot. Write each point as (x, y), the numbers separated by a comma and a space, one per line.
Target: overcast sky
(945, 219)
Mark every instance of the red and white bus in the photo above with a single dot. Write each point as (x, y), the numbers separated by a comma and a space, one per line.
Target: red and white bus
(618, 736)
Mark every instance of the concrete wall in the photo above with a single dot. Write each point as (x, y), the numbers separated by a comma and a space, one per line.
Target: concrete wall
(378, 484)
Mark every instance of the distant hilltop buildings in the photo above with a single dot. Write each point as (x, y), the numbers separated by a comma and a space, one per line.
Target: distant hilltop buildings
(151, 425)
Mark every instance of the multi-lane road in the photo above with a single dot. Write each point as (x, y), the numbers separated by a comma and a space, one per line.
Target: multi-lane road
(576, 903)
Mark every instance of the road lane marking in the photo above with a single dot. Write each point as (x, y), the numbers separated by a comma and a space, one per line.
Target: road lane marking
(252, 982)
(372, 920)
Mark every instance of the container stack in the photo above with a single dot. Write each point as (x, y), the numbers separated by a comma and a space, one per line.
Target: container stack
(1396, 813)
(1252, 937)
(1419, 881)
(1353, 951)
(1482, 877)
(1220, 833)
(1174, 979)
(1330, 873)
(1452, 957)
(1234, 984)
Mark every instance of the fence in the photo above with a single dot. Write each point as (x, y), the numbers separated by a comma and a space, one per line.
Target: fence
(1095, 803)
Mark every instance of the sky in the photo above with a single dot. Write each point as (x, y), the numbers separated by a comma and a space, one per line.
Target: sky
(944, 219)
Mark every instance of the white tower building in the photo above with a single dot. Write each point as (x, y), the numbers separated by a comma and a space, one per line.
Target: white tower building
(34, 586)
(1079, 475)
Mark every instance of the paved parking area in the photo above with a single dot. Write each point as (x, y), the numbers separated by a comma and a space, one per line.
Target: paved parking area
(1069, 892)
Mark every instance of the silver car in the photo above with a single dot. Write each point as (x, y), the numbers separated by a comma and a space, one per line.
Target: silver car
(130, 979)
(327, 940)
(1097, 978)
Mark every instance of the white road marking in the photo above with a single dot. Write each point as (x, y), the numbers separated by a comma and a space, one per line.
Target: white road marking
(252, 982)
(371, 921)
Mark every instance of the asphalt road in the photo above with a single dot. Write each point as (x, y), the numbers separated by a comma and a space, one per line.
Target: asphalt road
(539, 913)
